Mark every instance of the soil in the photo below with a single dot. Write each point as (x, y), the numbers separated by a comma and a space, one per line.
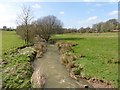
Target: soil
(96, 83)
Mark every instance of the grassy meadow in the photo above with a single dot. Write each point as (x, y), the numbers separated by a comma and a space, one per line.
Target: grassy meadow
(10, 40)
(100, 51)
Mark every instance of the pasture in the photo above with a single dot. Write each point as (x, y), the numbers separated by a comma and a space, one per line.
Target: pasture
(10, 40)
(100, 51)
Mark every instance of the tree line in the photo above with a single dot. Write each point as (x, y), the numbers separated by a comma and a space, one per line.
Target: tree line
(108, 26)
(32, 30)
(5, 28)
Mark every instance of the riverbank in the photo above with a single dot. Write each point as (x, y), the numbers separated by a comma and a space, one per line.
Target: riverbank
(99, 55)
(17, 67)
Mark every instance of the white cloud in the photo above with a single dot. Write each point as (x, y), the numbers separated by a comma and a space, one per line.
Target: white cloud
(113, 13)
(98, 4)
(59, 1)
(88, 22)
(61, 12)
(92, 18)
(88, 0)
(36, 6)
(22, 0)
(113, 0)
(100, 0)
(7, 15)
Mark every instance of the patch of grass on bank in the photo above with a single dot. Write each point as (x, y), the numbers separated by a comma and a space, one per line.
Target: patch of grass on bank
(16, 72)
(101, 53)
(16, 67)
(10, 40)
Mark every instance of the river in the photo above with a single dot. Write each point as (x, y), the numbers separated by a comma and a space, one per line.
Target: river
(56, 74)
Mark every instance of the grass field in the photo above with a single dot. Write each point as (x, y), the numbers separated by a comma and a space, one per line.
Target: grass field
(10, 40)
(16, 69)
(100, 50)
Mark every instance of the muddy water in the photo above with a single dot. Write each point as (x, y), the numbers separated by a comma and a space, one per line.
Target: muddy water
(56, 74)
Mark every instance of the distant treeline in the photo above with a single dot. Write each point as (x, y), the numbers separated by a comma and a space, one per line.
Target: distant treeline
(8, 29)
(112, 25)
(5, 28)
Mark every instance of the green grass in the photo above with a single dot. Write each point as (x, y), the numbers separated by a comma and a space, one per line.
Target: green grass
(99, 50)
(16, 72)
(10, 40)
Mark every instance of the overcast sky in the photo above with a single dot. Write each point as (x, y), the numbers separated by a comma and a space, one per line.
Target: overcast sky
(73, 13)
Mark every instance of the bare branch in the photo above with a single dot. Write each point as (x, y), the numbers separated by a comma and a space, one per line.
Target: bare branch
(24, 22)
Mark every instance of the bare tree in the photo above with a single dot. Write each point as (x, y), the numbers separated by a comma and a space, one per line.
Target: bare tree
(24, 21)
(47, 26)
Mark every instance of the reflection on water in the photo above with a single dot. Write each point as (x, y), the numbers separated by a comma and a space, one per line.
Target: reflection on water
(56, 74)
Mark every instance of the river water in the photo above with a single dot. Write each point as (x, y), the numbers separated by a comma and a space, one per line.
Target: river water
(56, 74)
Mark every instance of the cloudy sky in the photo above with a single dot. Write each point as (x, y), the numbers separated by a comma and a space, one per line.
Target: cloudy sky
(73, 13)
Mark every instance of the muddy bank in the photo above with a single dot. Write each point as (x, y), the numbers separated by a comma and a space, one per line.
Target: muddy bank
(38, 78)
(68, 57)
(98, 83)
